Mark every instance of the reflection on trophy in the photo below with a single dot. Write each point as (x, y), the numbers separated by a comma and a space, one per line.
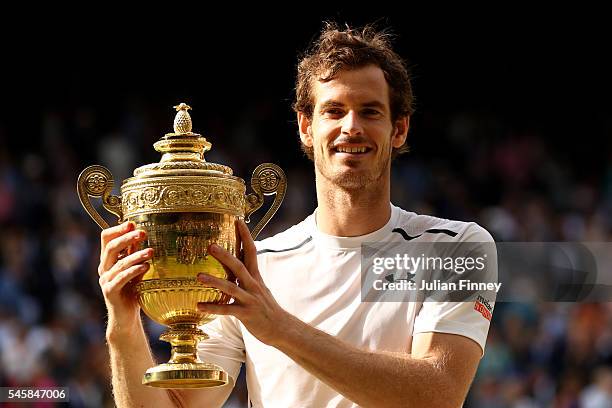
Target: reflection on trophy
(184, 204)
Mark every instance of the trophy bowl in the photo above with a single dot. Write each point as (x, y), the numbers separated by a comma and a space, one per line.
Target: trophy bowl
(184, 204)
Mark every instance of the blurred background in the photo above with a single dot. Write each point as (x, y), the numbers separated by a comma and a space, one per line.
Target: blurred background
(512, 130)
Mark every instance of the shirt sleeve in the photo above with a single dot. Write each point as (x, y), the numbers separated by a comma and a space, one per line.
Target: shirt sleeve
(224, 346)
(469, 318)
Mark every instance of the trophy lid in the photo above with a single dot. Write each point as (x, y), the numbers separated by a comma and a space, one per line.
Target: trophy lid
(182, 182)
(182, 151)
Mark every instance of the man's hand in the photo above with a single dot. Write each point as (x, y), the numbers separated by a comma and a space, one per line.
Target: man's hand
(253, 303)
(118, 266)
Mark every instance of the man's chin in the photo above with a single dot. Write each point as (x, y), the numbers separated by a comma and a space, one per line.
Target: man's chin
(350, 176)
(352, 180)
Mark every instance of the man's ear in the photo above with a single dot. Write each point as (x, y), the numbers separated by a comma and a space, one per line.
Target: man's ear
(304, 125)
(401, 131)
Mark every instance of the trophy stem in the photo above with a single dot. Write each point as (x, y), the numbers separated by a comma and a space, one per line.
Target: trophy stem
(184, 338)
(184, 369)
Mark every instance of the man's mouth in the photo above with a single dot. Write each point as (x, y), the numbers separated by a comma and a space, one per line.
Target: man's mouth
(352, 149)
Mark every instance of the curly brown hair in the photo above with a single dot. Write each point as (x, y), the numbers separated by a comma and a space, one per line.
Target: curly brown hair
(350, 48)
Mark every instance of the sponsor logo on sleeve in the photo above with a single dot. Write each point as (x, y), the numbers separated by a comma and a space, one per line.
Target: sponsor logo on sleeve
(483, 307)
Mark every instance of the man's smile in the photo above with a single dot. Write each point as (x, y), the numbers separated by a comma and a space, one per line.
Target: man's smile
(351, 150)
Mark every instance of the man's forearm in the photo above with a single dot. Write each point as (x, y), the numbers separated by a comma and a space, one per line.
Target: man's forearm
(130, 357)
(370, 379)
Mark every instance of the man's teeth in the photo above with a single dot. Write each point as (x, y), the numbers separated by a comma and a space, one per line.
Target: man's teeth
(344, 149)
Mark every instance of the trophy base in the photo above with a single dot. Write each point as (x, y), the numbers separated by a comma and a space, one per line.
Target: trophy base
(185, 375)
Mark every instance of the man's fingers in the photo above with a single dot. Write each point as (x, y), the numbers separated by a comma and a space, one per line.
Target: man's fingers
(115, 246)
(109, 288)
(224, 286)
(250, 251)
(234, 265)
(239, 254)
(137, 257)
(111, 233)
(217, 309)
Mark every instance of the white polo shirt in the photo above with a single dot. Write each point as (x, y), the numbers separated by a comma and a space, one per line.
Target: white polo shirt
(317, 278)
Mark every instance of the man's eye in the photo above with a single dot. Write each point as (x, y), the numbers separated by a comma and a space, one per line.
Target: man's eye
(371, 112)
(333, 112)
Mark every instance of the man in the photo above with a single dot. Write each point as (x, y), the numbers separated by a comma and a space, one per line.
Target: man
(298, 321)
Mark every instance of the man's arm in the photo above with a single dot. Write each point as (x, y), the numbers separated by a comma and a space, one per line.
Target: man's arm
(130, 357)
(437, 372)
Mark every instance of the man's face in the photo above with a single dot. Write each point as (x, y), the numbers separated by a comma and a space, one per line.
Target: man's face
(351, 132)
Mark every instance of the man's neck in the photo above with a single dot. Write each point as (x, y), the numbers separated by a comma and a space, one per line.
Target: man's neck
(351, 213)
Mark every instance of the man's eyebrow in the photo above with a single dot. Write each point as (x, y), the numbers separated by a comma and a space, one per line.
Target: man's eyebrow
(374, 104)
(336, 104)
(330, 104)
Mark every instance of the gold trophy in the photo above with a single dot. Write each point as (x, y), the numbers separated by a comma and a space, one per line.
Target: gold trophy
(184, 204)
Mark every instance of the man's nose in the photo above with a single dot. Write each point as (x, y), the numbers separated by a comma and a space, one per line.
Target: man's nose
(351, 124)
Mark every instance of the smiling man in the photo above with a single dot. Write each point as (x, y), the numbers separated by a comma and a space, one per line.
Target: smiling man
(298, 321)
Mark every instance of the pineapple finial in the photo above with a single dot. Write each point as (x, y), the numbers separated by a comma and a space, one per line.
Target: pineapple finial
(182, 120)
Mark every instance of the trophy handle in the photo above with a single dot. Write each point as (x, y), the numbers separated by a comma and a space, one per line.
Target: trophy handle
(97, 181)
(267, 179)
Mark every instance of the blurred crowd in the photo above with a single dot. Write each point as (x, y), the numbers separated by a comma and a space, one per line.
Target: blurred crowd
(520, 184)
